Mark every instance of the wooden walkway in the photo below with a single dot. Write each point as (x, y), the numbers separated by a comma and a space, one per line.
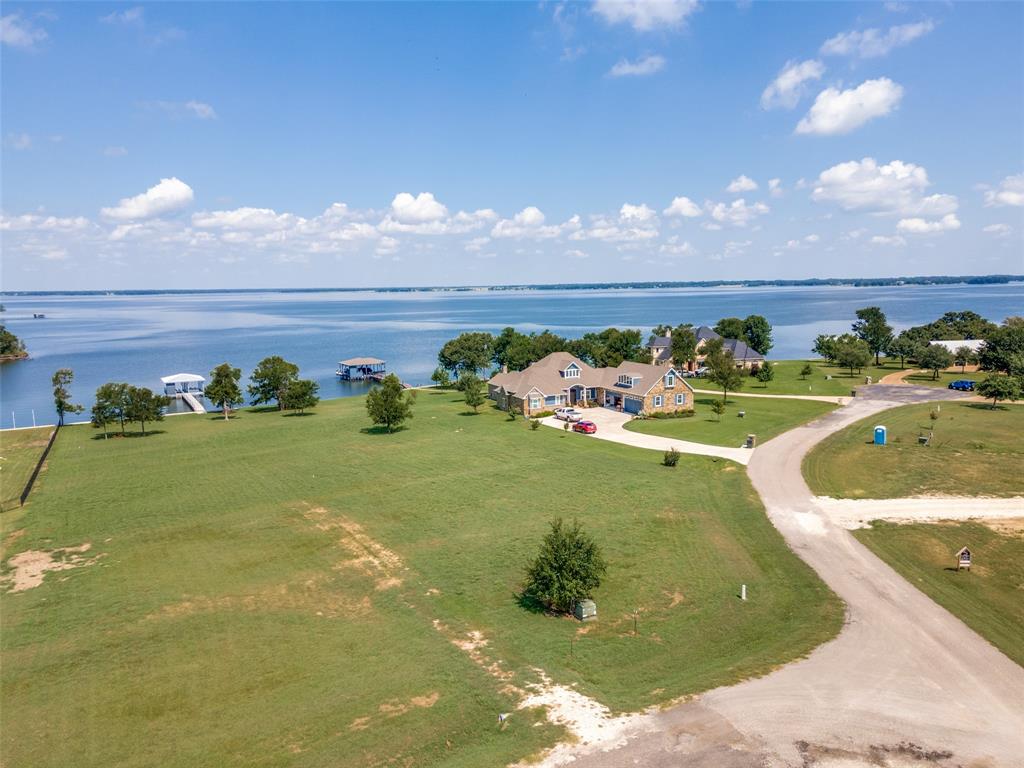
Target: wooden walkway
(193, 402)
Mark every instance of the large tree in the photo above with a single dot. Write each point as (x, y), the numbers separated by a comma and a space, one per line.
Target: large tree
(683, 345)
(1000, 387)
(730, 328)
(300, 395)
(903, 346)
(270, 379)
(568, 568)
(825, 347)
(757, 332)
(935, 358)
(388, 404)
(722, 371)
(613, 346)
(61, 381)
(1004, 347)
(144, 405)
(11, 345)
(102, 414)
(871, 327)
(112, 403)
(223, 389)
(467, 352)
(851, 352)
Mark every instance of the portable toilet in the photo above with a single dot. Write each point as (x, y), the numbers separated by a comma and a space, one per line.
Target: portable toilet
(879, 435)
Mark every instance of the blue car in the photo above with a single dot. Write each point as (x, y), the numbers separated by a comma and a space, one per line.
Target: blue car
(962, 385)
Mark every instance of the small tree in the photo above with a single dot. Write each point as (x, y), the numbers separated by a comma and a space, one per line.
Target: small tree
(223, 389)
(62, 396)
(143, 405)
(534, 424)
(473, 390)
(671, 457)
(806, 371)
(388, 404)
(112, 399)
(102, 414)
(935, 358)
(851, 352)
(765, 373)
(441, 378)
(270, 379)
(871, 327)
(902, 346)
(996, 388)
(825, 346)
(568, 568)
(718, 408)
(964, 356)
(300, 395)
(722, 371)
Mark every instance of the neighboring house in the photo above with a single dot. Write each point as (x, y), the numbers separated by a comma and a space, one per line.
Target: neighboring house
(561, 379)
(660, 348)
(954, 344)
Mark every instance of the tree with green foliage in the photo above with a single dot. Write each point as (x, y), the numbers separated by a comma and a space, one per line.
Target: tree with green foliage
(473, 390)
(964, 356)
(935, 358)
(807, 370)
(825, 347)
(441, 378)
(757, 332)
(102, 414)
(903, 345)
(722, 371)
(112, 403)
(10, 345)
(1000, 387)
(1003, 347)
(300, 395)
(512, 349)
(718, 408)
(871, 327)
(467, 353)
(61, 380)
(661, 330)
(144, 405)
(223, 389)
(388, 404)
(851, 352)
(612, 346)
(683, 345)
(270, 379)
(729, 328)
(765, 373)
(568, 568)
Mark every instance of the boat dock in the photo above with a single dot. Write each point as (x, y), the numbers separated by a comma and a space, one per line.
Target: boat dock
(193, 402)
(361, 369)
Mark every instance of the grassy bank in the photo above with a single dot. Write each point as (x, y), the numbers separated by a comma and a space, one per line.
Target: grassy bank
(987, 598)
(286, 590)
(824, 380)
(19, 451)
(974, 451)
(764, 417)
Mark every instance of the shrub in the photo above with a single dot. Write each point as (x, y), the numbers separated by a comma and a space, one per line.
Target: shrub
(542, 414)
(568, 568)
(677, 414)
(534, 424)
(671, 457)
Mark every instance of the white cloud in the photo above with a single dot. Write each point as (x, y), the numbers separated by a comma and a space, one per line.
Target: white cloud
(386, 246)
(1009, 192)
(638, 214)
(676, 247)
(894, 188)
(20, 33)
(741, 184)
(645, 15)
(737, 213)
(919, 226)
(873, 43)
(683, 206)
(115, 151)
(790, 84)
(645, 66)
(529, 223)
(837, 112)
(201, 110)
(575, 253)
(19, 141)
(169, 195)
(477, 244)
(894, 241)
(415, 210)
(183, 109)
(812, 238)
(129, 16)
(245, 218)
(775, 187)
(999, 230)
(36, 222)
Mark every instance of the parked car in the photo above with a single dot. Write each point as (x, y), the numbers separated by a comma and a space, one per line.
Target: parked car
(962, 385)
(568, 414)
(586, 427)
(702, 371)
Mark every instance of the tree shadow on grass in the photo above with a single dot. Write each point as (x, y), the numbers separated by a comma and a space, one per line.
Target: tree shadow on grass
(289, 414)
(264, 409)
(379, 429)
(530, 603)
(220, 416)
(469, 413)
(127, 435)
(987, 407)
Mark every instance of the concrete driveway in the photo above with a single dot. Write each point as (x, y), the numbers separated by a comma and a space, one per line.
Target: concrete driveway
(610, 426)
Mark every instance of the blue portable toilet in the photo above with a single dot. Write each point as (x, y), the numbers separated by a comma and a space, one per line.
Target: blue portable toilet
(879, 435)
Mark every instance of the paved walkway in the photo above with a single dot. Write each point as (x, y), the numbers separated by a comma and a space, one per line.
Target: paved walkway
(820, 398)
(610, 426)
(905, 683)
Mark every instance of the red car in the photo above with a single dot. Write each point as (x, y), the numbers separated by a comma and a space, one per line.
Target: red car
(586, 427)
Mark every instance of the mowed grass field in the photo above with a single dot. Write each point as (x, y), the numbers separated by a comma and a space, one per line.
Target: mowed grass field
(764, 417)
(974, 451)
(294, 590)
(987, 598)
(788, 381)
(924, 378)
(19, 451)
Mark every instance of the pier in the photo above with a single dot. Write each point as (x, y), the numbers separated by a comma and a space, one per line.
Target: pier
(193, 402)
(361, 369)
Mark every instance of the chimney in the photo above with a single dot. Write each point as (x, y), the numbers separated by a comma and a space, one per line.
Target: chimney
(504, 367)
(668, 333)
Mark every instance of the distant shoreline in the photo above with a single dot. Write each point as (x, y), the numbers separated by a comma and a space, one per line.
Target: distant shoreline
(851, 282)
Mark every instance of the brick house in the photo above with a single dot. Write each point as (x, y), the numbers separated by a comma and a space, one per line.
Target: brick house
(560, 379)
(660, 348)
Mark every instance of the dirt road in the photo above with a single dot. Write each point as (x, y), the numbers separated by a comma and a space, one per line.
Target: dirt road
(905, 683)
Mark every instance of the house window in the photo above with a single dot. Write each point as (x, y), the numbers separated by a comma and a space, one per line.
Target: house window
(625, 380)
(551, 400)
(592, 394)
(680, 399)
(670, 380)
(572, 372)
(534, 403)
(657, 401)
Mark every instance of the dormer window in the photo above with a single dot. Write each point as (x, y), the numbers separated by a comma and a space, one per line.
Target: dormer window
(627, 380)
(670, 379)
(572, 372)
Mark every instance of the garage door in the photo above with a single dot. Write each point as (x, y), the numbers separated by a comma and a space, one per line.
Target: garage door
(633, 405)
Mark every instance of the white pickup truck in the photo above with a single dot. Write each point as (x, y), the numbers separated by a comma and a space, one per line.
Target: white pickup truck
(568, 414)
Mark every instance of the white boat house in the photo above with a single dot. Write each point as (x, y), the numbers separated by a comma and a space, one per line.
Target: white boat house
(182, 383)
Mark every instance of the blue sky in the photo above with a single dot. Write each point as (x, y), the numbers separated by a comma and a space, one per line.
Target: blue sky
(261, 145)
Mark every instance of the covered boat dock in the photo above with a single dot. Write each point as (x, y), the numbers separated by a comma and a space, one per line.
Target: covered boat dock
(359, 368)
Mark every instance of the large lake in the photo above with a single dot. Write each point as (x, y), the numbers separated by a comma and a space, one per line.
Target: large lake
(138, 339)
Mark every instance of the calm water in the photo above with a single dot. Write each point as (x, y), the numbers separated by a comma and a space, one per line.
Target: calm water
(138, 339)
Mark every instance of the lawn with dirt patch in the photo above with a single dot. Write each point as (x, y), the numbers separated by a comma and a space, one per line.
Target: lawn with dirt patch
(304, 591)
(20, 449)
(987, 598)
(763, 416)
(973, 450)
(824, 380)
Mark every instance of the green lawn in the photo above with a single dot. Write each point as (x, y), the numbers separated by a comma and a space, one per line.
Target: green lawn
(974, 451)
(764, 417)
(19, 451)
(245, 610)
(924, 379)
(987, 598)
(788, 381)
